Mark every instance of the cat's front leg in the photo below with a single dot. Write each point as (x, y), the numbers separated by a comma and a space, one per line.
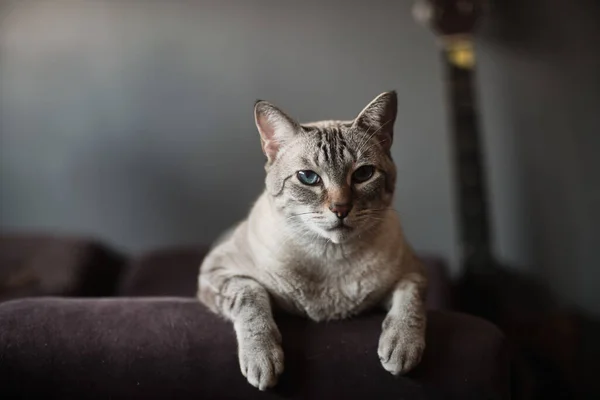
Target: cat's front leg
(246, 303)
(402, 340)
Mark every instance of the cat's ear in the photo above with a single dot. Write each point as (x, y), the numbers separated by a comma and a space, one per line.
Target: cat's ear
(275, 127)
(378, 118)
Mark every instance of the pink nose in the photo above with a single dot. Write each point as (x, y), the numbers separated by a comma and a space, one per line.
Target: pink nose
(341, 210)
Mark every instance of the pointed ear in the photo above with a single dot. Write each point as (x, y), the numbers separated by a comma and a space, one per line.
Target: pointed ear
(378, 118)
(275, 127)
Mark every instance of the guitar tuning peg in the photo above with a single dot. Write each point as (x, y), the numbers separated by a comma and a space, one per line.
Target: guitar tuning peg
(423, 11)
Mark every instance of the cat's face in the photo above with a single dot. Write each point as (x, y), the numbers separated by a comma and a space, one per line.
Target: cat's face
(330, 179)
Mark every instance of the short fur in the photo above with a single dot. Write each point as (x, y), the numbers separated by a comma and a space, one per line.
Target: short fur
(293, 253)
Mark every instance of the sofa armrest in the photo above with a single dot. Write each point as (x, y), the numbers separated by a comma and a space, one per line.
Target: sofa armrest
(174, 348)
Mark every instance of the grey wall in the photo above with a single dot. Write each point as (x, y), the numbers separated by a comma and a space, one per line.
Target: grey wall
(132, 120)
(540, 91)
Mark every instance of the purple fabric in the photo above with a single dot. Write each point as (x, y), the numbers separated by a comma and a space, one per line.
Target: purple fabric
(173, 348)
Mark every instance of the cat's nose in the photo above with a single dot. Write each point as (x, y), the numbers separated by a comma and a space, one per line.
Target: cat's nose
(341, 210)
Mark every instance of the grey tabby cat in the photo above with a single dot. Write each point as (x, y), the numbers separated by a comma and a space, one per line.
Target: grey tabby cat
(321, 241)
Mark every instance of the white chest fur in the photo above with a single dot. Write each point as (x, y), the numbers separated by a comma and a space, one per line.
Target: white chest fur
(331, 289)
(322, 281)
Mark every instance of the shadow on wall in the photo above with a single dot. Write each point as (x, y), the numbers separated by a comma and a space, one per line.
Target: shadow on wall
(540, 90)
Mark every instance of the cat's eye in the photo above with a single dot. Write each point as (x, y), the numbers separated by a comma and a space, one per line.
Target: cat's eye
(308, 177)
(363, 174)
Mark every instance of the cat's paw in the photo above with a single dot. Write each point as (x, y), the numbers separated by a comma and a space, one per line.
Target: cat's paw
(261, 360)
(400, 346)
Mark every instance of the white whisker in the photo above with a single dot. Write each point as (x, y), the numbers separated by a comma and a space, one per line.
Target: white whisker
(363, 141)
(373, 134)
(374, 144)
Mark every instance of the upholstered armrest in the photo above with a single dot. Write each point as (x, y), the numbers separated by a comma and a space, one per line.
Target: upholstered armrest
(173, 348)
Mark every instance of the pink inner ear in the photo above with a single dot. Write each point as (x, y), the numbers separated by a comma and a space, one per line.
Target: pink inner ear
(267, 132)
(271, 148)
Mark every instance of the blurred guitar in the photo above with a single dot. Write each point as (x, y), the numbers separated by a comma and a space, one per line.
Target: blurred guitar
(544, 336)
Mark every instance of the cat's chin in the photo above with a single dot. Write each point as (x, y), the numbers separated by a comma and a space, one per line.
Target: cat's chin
(339, 235)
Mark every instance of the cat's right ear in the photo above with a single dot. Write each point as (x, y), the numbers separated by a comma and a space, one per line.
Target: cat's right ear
(275, 127)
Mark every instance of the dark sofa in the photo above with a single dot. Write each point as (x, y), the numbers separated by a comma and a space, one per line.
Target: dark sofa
(138, 333)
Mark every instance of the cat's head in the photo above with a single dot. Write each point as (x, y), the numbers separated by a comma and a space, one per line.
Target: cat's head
(332, 179)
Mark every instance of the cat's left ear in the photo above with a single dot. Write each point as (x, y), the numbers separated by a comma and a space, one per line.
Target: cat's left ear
(275, 127)
(378, 118)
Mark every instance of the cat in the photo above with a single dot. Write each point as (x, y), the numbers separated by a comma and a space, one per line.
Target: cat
(322, 241)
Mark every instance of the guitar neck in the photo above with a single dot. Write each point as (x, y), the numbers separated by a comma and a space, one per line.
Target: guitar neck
(458, 59)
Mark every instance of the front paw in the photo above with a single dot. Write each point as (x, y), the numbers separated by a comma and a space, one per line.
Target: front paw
(401, 345)
(261, 359)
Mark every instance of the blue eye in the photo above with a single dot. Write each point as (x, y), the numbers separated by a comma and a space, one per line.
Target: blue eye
(363, 173)
(308, 177)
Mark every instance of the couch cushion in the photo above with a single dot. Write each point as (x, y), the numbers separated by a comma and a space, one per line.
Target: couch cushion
(174, 272)
(174, 348)
(165, 272)
(43, 265)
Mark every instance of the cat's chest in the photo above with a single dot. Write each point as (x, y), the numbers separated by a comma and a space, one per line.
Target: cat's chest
(337, 290)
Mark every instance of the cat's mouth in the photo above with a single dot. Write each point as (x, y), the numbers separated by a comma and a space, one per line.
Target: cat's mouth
(340, 227)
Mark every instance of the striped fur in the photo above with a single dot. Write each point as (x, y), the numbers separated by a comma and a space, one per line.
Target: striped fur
(292, 252)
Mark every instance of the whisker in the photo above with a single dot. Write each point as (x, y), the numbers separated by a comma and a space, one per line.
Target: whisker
(305, 213)
(374, 133)
(374, 144)
(373, 211)
(365, 142)
(362, 142)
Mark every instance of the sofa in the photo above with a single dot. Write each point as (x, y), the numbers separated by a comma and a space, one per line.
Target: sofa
(81, 320)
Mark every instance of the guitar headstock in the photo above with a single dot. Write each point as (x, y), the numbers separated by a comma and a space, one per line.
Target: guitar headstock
(453, 22)
(449, 17)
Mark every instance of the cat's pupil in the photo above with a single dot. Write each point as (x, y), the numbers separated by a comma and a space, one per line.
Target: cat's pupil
(363, 174)
(308, 177)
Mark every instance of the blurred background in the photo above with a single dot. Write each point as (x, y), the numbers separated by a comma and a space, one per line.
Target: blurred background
(131, 121)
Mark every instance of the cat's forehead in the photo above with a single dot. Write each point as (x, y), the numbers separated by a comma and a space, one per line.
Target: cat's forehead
(329, 146)
(326, 125)
(321, 132)
(329, 130)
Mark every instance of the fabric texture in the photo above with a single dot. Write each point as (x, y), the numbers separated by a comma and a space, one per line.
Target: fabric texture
(174, 348)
